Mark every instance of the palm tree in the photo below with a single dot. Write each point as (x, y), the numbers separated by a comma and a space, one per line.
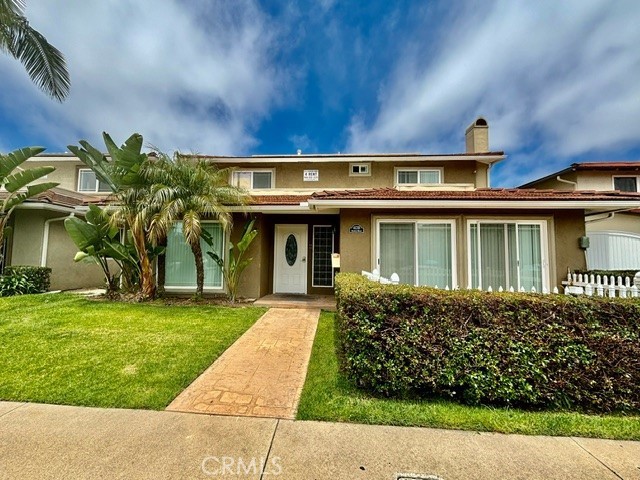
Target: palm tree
(44, 63)
(191, 189)
(17, 184)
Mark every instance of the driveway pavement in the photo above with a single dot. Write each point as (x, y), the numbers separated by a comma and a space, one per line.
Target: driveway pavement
(49, 441)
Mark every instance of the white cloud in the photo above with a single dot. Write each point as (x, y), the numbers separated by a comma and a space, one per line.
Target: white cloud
(303, 142)
(190, 76)
(556, 78)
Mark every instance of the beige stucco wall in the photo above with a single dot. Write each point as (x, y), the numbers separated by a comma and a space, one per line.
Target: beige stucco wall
(252, 280)
(26, 249)
(621, 222)
(65, 273)
(569, 227)
(355, 248)
(336, 174)
(554, 184)
(66, 172)
(599, 180)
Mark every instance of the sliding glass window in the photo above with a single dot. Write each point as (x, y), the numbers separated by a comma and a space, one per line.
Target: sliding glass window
(180, 267)
(508, 254)
(419, 251)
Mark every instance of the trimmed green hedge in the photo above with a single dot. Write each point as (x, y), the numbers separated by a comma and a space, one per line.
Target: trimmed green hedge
(24, 279)
(504, 349)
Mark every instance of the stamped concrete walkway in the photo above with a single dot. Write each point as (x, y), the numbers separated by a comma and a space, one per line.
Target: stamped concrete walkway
(261, 374)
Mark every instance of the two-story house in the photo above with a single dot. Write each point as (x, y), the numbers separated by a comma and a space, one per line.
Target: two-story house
(431, 218)
(614, 236)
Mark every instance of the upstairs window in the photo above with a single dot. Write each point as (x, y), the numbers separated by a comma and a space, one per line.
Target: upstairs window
(87, 182)
(252, 179)
(359, 169)
(626, 184)
(418, 176)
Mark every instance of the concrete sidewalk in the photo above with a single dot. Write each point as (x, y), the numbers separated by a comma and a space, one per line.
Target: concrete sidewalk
(48, 441)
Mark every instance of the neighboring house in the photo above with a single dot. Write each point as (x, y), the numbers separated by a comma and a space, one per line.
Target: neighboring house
(39, 237)
(614, 235)
(430, 218)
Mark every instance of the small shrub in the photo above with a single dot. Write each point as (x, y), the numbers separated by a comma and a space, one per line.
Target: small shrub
(504, 349)
(20, 280)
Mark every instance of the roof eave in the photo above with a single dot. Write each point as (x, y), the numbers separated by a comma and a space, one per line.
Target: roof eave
(476, 204)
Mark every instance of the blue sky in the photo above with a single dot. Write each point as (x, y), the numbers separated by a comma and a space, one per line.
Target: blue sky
(557, 81)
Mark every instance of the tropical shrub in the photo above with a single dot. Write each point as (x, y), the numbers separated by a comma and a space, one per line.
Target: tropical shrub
(21, 280)
(236, 263)
(98, 241)
(17, 184)
(128, 173)
(504, 349)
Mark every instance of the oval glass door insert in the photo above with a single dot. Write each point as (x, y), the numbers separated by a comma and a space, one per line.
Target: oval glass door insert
(291, 250)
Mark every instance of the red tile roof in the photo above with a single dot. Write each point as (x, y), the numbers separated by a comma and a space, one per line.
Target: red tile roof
(63, 198)
(478, 194)
(606, 165)
(279, 199)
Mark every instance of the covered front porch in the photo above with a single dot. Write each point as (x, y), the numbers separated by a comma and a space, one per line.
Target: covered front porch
(288, 300)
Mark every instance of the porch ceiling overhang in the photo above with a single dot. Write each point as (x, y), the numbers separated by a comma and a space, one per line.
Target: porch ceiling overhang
(498, 198)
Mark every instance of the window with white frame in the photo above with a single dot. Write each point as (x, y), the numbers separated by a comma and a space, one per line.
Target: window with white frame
(418, 176)
(508, 254)
(88, 182)
(421, 252)
(180, 267)
(626, 183)
(359, 169)
(252, 179)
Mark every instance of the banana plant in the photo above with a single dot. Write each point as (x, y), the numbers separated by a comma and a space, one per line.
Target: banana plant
(16, 184)
(126, 172)
(236, 262)
(98, 241)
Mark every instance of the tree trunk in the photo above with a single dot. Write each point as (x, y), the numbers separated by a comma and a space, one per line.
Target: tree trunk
(197, 255)
(147, 284)
(162, 270)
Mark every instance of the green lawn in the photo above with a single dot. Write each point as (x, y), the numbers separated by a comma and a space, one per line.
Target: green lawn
(328, 396)
(64, 349)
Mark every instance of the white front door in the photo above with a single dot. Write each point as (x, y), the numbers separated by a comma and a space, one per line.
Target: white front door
(290, 259)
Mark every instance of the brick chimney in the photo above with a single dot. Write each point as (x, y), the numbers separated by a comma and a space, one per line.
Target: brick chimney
(477, 136)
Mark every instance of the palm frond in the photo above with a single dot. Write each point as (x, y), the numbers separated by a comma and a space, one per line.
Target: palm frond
(45, 64)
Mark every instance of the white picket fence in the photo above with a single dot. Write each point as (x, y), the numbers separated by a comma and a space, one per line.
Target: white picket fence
(576, 284)
(602, 286)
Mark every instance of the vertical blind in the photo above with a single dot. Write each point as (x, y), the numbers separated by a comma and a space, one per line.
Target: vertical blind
(506, 255)
(420, 253)
(180, 267)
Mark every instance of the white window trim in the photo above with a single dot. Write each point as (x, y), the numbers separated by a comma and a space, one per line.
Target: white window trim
(97, 189)
(252, 171)
(313, 251)
(544, 254)
(222, 287)
(613, 180)
(397, 170)
(416, 222)
(366, 164)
